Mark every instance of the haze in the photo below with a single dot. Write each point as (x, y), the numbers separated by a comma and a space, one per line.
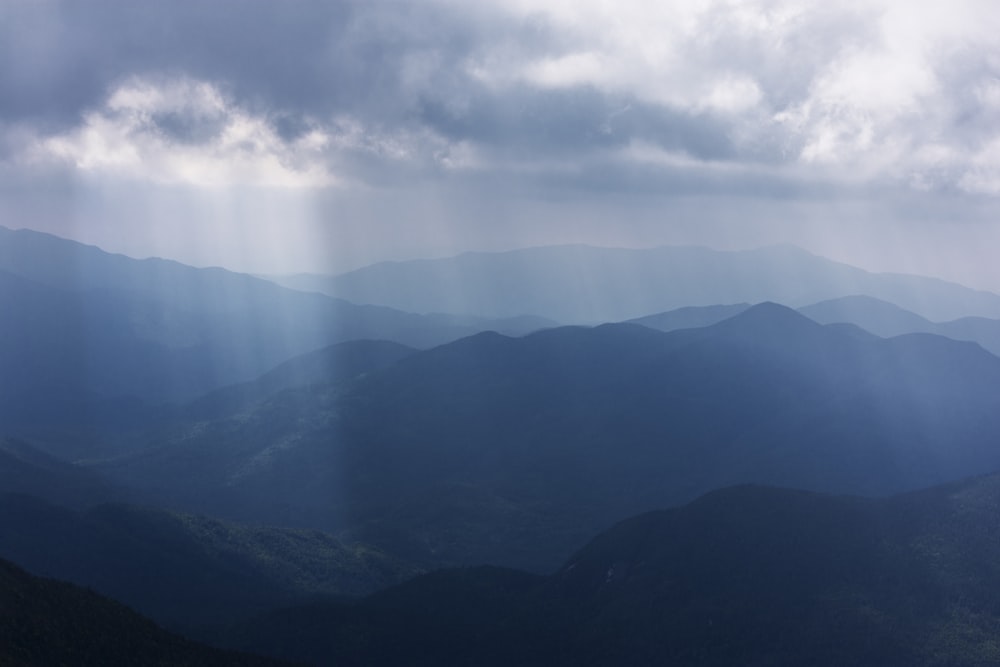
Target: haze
(553, 333)
(321, 136)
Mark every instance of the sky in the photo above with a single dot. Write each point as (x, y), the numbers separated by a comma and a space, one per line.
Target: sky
(320, 136)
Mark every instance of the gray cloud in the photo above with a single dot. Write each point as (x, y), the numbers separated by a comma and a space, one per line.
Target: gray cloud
(515, 106)
(530, 86)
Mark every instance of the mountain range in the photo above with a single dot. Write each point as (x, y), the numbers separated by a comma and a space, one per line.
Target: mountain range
(511, 450)
(876, 316)
(209, 447)
(587, 285)
(92, 343)
(743, 575)
(747, 575)
(92, 323)
(188, 573)
(886, 319)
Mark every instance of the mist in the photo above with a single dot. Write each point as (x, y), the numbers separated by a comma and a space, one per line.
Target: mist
(499, 333)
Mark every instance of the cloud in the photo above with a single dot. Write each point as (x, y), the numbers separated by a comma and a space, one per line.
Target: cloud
(181, 131)
(421, 127)
(315, 93)
(185, 131)
(855, 92)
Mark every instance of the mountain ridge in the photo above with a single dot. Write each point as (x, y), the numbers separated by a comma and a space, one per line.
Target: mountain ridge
(187, 572)
(886, 319)
(744, 575)
(93, 345)
(488, 448)
(588, 285)
(48, 622)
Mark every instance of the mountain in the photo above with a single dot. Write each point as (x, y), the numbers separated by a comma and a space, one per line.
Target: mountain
(690, 317)
(25, 469)
(582, 284)
(92, 326)
(983, 330)
(518, 325)
(45, 622)
(886, 319)
(94, 346)
(330, 365)
(512, 450)
(875, 315)
(747, 575)
(190, 573)
(64, 361)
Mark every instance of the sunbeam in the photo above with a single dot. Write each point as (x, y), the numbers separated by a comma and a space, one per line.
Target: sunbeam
(499, 333)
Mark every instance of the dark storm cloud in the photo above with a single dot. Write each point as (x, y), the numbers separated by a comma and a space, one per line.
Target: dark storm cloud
(396, 65)
(581, 119)
(314, 56)
(62, 58)
(405, 89)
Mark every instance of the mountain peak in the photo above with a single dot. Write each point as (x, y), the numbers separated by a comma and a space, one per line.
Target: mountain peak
(769, 318)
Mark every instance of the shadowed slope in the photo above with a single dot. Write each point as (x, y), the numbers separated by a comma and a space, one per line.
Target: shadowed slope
(25, 469)
(747, 575)
(45, 622)
(503, 450)
(185, 571)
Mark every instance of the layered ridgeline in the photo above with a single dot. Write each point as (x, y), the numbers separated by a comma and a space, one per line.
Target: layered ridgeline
(887, 319)
(188, 573)
(744, 576)
(185, 572)
(582, 284)
(45, 622)
(93, 345)
(512, 451)
(25, 469)
(81, 326)
(873, 315)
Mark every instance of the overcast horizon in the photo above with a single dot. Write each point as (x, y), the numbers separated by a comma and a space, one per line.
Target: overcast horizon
(324, 136)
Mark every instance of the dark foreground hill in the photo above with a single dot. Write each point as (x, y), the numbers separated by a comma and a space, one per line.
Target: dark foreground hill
(45, 622)
(187, 572)
(24, 469)
(744, 576)
(512, 451)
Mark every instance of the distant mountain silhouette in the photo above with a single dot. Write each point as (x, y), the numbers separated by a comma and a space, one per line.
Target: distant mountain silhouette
(983, 330)
(587, 285)
(690, 317)
(510, 451)
(218, 326)
(875, 315)
(46, 622)
(744, 576)
(886, 319)
(90, 340)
